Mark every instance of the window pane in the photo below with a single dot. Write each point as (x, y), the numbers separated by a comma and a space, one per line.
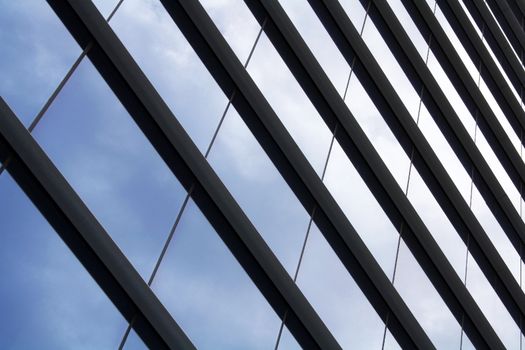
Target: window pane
(47, 298)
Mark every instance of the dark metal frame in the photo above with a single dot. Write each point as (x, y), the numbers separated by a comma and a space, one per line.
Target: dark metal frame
(331, 107)
(79, 229)
(487, 122)
(518, 8)
(455, 207)
(181, 155)
(476, 103)
(508, 22)
(220, 60)
(515, 115)
(498, 43)
(486, 65)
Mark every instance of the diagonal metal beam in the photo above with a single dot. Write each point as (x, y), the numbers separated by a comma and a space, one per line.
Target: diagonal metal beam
(486, 65)
(487, 121)
(469, 92)
(220, 60)
(443, 113)
(181, 155)
(330, 105)
(498, 43)
(82, 233)
(518, 9)
(508, 22)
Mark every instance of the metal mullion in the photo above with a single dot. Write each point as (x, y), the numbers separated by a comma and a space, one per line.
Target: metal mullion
(328, 102)
(476, 49)
(271, 134)
(468, 91)
(518, 8)
(86, 238)
(184, 159)
(498, 43)
(490, 72)
(459, 139)
(473, 98)
(507, 21)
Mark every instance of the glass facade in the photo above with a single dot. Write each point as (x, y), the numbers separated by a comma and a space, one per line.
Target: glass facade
(261, 174)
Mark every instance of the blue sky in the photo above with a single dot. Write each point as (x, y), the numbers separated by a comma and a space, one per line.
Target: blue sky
(49, 302)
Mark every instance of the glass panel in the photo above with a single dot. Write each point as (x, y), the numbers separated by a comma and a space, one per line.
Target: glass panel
(242, 166)
(260, 190)
(47, 298)
(169, 62)
(290, 103)
(105, 157)
(236, 24)
(319, 41)
(209, 294)
(37, 51)
(336, 297)
(287, 342)
(133, 342)
(106, 6)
